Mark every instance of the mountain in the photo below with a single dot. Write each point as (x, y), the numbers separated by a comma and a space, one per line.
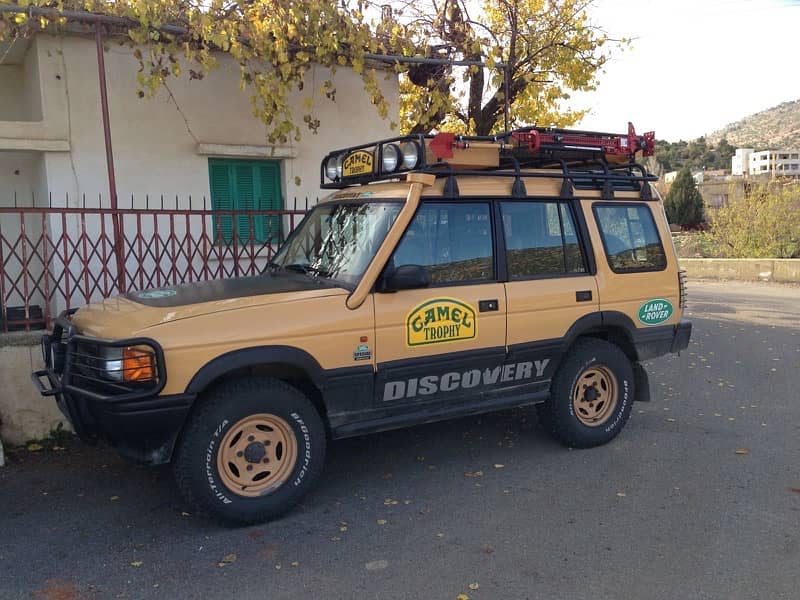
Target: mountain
(776, 128)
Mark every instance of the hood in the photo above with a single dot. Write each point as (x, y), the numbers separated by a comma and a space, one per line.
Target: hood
(125, 316)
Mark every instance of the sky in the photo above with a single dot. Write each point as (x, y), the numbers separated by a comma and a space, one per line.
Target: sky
(695, 65)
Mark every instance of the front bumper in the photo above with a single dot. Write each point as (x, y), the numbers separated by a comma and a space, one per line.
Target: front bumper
(135, 419)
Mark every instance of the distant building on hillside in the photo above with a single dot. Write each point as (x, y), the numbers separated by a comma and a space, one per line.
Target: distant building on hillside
(778, 163)
(740, 161)
(771, 163)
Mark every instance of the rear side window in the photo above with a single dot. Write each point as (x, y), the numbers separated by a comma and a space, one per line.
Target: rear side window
(630, 238)
(540, 239)
(452, 240)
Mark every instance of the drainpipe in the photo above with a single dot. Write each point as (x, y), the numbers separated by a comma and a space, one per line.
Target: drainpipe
(112, 182)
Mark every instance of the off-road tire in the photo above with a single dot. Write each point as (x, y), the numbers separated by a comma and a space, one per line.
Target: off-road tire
(207, 488)
(603, 362)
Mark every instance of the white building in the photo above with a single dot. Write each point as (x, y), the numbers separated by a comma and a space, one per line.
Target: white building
(740, 161)
(51, 133)
(776, 163)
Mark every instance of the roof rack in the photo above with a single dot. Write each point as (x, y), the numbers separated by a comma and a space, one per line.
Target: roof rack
(583, 159)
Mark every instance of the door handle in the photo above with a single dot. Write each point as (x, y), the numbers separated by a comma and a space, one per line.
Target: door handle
(488, 305)
(583, 296)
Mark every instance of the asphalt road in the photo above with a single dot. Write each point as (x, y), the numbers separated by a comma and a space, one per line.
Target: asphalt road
(699, 497)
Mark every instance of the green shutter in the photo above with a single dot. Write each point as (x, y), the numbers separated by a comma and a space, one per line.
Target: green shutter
(270, 199)
(222, 198)
(246, 186)
(245, 201)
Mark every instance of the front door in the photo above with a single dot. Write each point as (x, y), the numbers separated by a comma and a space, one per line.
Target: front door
(447, 341)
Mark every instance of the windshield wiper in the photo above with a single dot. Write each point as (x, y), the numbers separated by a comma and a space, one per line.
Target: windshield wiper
(297, 267)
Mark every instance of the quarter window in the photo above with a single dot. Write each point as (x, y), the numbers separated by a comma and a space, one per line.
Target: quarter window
(453, 241)
(630, 238)
(540, 239)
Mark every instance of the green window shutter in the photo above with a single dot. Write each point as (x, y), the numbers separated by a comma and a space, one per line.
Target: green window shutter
(245, 201)
(269, 180)
(239, 185)
(222, 198)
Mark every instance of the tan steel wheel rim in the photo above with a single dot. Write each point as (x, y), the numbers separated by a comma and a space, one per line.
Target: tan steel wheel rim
(595, 396)
(257, 455)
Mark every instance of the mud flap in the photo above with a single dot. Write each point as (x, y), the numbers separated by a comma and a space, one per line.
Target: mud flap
(641, 383)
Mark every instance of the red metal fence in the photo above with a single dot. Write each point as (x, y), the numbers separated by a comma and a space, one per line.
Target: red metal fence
(56, 258)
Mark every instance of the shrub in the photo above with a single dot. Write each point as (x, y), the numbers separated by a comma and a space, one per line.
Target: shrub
(765, 223)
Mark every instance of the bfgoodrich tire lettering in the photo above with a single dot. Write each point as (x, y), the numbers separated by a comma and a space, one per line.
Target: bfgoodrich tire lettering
(250, 451)
(591, 395)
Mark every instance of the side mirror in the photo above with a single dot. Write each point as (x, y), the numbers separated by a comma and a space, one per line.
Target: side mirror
(404, 277)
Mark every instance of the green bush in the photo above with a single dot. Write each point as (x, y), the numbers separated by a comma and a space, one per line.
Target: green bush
(765, 223)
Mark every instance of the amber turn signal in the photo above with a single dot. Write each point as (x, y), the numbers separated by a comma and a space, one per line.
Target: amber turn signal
(137, 365)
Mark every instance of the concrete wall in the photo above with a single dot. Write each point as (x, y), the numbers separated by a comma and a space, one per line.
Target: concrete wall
(24, 414)
(743, 269)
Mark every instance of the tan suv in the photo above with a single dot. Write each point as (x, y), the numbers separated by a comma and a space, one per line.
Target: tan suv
(445, 276)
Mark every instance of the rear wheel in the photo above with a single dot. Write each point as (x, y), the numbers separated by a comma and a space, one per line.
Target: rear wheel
(591, 395)
(251, 451)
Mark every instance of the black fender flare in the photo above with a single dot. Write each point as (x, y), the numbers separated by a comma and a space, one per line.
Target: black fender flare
(253, 356)
(601, 322)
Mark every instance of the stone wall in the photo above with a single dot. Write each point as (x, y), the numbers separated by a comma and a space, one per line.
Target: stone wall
(782, 270)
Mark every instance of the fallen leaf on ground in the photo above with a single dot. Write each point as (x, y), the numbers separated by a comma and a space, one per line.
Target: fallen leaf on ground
(295, 563)
(390, 502)
(796, 490)
(474, 586)
(473, 474)
(230, 558)
(498, 466)
(34, 447)
(742, 451)
(376, 565)
(136, 563)
(114, 498)
(621, 494)
(381, 521)
(462, 597)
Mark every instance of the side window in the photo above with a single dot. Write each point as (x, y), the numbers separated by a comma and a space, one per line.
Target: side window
(453, 240)
(541, 239)
(630, 238)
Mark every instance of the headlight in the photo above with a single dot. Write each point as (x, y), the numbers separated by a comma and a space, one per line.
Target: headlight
(339, 163)
(410, 151)
(110, 362)
(127, 364)
(391, 157)
(330, 168)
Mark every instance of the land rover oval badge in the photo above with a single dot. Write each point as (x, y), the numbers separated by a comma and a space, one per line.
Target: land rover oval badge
(156, 294)
(655, 311)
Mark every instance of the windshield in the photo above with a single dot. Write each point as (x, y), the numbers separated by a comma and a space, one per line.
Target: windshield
(338, 240)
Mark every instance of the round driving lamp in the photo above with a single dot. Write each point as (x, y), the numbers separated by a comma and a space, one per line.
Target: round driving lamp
(410, 151)
(391, 158)
(339, 163)
(330, 168)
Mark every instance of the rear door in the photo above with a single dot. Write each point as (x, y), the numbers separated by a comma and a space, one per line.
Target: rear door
(638, 286)
(444, 342)
(550, 287)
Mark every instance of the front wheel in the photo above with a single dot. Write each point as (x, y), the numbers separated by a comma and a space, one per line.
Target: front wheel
(591, 395)
(251, 451)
